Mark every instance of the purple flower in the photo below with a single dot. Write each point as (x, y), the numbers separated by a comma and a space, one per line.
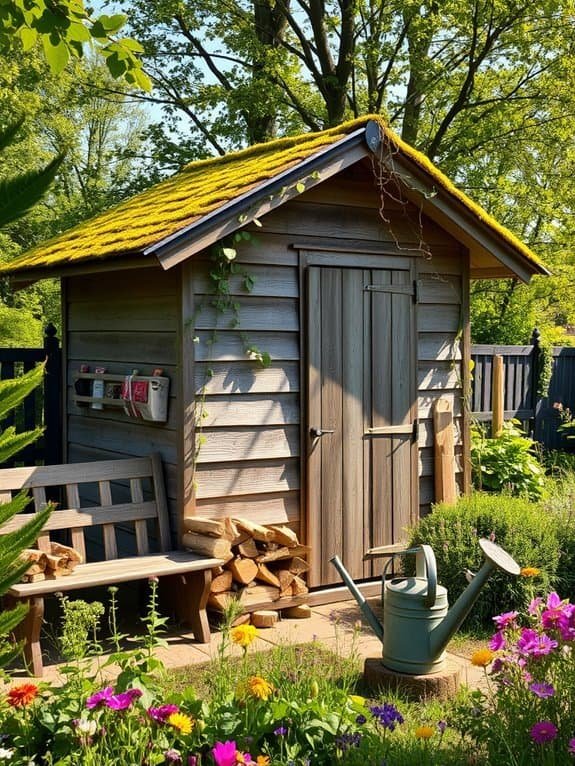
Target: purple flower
(534, 644)
(386, 715)
(543, 691)
(571, 746)
(347, 741)
(99, 698)
(123, 700)
(281, 731)
(173, 756)
(497, 641)
(192, 760)
(542, 732)
(442, 726)
(161, 714)
(504, 620)
(361, 719)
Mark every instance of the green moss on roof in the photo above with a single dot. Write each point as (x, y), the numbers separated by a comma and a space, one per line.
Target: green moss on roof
(205, 186)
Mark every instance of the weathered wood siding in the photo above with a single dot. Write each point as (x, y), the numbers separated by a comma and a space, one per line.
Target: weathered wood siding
(249, 461)
(122, 321)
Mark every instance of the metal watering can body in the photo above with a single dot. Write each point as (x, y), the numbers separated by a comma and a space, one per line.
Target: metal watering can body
(417, 621)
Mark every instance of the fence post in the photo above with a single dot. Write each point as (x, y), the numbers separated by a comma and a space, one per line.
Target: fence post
(52, 397)
(536, 366)
(497, 396)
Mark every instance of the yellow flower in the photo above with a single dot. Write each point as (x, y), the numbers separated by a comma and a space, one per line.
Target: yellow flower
(530, 572)
(182, 722)
(244, 635)
(259, 687)
(482, 657)
(263, 760)
(424, 732)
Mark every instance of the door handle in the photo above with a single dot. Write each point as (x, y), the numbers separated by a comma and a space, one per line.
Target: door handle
(315, 433)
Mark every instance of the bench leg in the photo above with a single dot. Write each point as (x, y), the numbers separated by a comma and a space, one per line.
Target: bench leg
(191, 603)
(29, 631)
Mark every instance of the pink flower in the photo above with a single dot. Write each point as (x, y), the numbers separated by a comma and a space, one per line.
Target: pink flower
(160, 714)
(99, 698)
(504, 620)
(534, 644)
(497, 641)
(571, 746)
(534, 605)
(123, 700)
(543, 691)
(224, 753)
(543, 731)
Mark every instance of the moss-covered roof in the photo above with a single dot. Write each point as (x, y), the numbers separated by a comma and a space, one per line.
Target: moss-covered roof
(140, 223)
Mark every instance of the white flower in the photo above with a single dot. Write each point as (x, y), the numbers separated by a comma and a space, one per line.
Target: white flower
(6, 753)
(85, 726)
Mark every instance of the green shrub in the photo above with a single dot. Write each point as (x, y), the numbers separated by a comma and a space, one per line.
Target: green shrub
(506, 462)
(522, 528)
(559, 504)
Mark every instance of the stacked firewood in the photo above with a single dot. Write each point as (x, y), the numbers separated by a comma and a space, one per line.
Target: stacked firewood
(264, 566)
(59, 562)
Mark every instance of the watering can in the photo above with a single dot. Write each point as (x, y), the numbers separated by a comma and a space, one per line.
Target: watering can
(417, 621)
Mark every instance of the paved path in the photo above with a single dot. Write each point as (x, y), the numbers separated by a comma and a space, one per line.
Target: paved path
(337, 626)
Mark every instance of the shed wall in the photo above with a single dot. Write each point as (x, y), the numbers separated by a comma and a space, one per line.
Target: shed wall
(122, 320)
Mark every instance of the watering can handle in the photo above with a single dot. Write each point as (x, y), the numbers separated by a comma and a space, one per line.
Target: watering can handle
(426, 566)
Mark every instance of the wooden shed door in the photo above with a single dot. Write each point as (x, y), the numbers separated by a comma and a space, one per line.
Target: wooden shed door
(362, 482)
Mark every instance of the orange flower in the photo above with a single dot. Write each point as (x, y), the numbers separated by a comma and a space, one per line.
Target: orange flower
(424, 732)
(263, 760)
(244, 635)
(530, 572)
(482, 657)
(258, 687)
(20, 696)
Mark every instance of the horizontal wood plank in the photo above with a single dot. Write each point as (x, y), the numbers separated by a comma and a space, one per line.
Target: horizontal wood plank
(269, 314)
(432, 346)
(248, 410)
(247, 478)
(229, 346)
(220, 446)
(115, 287)
(270, 508)
(154, 313)
(135, 436)
(269, 281)
(246, 378)
(56, 475)
(438, 317)
(134, 349)
(70, 518)
(440, 289)
(438, 375)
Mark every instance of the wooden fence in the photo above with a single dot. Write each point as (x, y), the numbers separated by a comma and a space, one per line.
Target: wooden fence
(42, 407)
(523, 367)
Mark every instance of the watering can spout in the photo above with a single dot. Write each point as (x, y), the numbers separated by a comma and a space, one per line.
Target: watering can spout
(495, 558)
(367, 611)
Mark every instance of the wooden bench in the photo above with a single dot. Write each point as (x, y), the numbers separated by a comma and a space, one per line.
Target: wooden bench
(190, 573)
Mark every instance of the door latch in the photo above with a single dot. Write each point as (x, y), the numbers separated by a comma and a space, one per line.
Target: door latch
(315, 433)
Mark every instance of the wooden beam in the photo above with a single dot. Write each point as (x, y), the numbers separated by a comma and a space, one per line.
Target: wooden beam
(497, 395)
(445, 486)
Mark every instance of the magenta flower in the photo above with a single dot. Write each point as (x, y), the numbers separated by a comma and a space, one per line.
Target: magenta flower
(161, 714)
(504, 620)
(173, 756)
(497, 641)
(542, 732)
(534, 644)
(224, 753)
(99, 698)
(571, 746)
(534, 605)
(543, 691)
(123, 700)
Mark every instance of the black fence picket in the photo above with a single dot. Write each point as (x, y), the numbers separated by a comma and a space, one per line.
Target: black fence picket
(42, 407)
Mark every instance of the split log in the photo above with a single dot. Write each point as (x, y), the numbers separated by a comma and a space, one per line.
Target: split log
(73, 556)
(248, 548)
(201, 526)
(221, 582)
(298, 566)
(54, 562)
(297, 612)
(298, 587)
(243, 570)
(260, 594)
(286, 578)
(257, 531)
(215, 547)
(266, 575)
(36, 577)
(281, 553)
(264, 618)
(284, 536)
(220, 601)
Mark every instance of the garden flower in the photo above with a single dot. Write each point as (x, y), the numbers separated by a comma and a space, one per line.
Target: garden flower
(424, 732)
(348, 740)
(85, 726)
(504, 620)
(442, 726)
(571, 746)
(6, 753)
(123, 700)
(173, 756)
(535, 644)
(182, 722)
(542, 732)
(497, 641)
(244, 635)
(387, 715)
(161, 714)
(224, 753)
(530, 572)
(99, 698)
(543, 691)
(534, 605)
(263, 760)
(20, 696)
(259, 687)
(281, 731)
(481, 658)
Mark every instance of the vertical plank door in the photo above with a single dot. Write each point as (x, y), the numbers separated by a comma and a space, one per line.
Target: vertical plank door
(362, 409)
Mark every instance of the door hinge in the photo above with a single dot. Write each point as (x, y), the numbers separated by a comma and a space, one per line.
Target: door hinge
(415, 434)
(416, 288)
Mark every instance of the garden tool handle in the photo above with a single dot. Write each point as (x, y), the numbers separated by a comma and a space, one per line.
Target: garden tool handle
(425, 567)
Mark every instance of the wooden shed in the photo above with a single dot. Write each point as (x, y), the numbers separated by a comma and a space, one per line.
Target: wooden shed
(352, 259)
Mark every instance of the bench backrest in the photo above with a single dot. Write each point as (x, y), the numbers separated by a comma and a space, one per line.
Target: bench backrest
(134, 507)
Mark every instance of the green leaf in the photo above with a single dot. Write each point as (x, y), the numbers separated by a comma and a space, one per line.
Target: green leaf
(111, 24)
(229, 253)
(57, 55)
(8, 134)
(19, 194)
(28, 36)
(300, 187)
